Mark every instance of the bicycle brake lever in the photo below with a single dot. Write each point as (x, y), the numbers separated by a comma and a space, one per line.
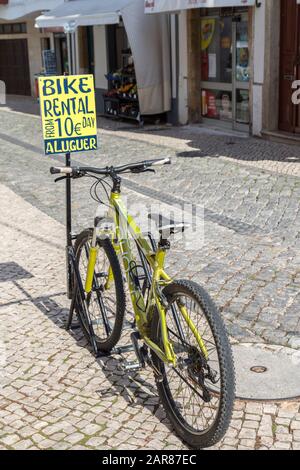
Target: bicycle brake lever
(60, 179)
(143, 170)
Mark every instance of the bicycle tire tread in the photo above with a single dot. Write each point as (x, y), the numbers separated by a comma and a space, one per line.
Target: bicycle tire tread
(106, 244)
(219, 428)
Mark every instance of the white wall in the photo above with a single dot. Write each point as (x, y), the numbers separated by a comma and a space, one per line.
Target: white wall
(258, 66)
(101, 66)
(183, 69)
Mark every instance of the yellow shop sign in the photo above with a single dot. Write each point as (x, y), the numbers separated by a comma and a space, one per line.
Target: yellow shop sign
(68, 113)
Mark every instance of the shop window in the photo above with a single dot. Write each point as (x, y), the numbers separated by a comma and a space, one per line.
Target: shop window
(242, 52)
(217, 104)
(216, 47)
(13, 28)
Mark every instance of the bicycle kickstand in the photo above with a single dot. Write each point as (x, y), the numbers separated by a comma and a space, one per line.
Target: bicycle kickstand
(71, 313)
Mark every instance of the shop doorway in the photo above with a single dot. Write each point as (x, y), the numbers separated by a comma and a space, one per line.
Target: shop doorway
(14, 66)
(289, 113)
(86, 50)
(225, 72)
(61, 52)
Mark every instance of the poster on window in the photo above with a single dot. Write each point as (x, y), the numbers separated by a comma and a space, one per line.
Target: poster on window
(208, 26)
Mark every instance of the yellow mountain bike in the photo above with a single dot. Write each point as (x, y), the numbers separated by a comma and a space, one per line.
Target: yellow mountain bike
(177, 330)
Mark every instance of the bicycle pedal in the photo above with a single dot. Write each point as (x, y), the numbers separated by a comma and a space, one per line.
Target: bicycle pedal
(126, 366)
(123, 349)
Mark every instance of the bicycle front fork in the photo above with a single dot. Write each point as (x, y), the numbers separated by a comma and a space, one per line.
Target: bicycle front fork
(93, 253)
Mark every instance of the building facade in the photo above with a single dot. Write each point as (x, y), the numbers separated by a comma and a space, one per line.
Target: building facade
(233, 67)
(281, 117)
(22, 45)
(236, 67)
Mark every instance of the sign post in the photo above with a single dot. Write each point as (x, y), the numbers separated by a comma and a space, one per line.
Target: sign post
(69, 122)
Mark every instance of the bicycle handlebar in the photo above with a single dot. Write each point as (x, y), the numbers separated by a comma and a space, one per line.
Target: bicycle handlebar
(133, 167)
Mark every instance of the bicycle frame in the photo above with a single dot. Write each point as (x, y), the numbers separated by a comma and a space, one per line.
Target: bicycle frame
(126, 226)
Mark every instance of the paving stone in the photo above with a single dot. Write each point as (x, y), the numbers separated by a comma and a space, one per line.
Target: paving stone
(250, 417)
(296, 435)
(246, 433)
(283, 421)
(282, 430)
(249, 443)
(251, 424)
(96, 442)
(22, 445)
(282, 445)
(284, 437)
(254, 408)
(10, 439)
(47, 444)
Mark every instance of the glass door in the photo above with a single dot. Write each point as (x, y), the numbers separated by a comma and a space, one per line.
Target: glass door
(225, 70)
(242, 72)
(217, 68)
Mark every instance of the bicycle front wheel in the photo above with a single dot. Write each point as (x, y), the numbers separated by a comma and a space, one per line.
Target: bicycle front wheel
(106, 302)
(198, 393)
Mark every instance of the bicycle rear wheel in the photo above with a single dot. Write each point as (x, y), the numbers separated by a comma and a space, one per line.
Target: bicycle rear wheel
(106, 302)
(198, 393)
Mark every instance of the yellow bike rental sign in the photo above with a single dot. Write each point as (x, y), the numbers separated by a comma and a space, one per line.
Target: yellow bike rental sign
(68, 113)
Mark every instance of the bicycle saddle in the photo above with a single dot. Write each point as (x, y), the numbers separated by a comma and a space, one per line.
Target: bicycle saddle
(166, 225)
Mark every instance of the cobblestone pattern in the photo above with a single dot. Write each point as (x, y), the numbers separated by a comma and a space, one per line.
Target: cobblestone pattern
(250, 260)
(54, 394)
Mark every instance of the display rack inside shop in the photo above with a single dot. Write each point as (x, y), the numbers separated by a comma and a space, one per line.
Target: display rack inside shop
(121, 101)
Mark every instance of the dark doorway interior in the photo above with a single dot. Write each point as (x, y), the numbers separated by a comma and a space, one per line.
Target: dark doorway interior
(61, 51)
(289, 113)
(14, 66)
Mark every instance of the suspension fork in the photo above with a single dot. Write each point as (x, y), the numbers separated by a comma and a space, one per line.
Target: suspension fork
(93, 253)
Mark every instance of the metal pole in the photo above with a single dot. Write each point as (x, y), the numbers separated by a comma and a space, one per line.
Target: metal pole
(68, 203)
(69, 227)
(69, 51)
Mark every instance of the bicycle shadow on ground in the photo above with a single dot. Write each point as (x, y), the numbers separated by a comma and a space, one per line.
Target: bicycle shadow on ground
(137, 388)
(13, 273)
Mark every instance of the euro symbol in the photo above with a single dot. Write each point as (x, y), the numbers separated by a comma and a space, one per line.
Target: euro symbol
(78, 129)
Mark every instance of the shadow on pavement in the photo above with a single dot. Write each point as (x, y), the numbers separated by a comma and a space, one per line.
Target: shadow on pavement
(131, 386)
(242, 149)
(22, 104)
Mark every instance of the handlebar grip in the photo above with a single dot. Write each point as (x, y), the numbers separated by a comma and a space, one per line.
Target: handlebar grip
(54, 170)
(163, 161)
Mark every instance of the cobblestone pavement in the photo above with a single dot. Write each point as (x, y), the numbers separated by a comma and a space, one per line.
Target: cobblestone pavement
(251, 258)
(54, 394)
